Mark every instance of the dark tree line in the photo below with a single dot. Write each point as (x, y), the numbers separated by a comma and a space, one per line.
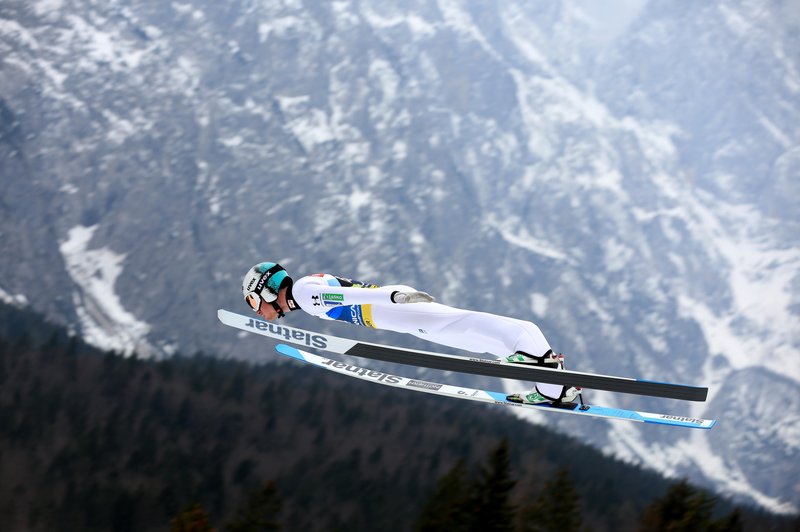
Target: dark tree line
(485, 501)
(96, 441)
(261, 513)
(461, 502)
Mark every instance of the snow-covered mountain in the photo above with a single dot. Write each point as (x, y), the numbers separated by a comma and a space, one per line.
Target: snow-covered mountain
(625, 175)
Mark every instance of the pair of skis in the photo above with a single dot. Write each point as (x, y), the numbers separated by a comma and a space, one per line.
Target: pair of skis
(476, 366)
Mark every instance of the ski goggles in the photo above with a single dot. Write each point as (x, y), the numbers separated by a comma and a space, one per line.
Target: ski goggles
(254, 299)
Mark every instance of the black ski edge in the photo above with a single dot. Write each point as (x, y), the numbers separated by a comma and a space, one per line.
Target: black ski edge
(531, 373)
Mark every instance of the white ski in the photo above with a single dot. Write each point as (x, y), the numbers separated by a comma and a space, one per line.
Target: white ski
(487, 396)
(461, 364)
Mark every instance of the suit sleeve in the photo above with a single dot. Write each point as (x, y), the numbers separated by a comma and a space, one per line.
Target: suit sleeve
(317, 297)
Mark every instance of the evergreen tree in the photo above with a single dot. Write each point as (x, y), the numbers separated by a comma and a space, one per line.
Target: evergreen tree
(192, 519)
(261, 512)
(683, 508)
(491, 504)
(730, 523)
(448, 507)
(557, 508)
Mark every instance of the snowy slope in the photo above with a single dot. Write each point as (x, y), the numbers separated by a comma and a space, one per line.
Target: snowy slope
(624, 176)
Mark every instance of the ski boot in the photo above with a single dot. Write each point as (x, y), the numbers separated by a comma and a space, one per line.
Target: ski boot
(548, 360)
(533, 397)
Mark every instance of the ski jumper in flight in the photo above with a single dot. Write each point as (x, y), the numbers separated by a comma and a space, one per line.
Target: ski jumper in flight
(270, 292)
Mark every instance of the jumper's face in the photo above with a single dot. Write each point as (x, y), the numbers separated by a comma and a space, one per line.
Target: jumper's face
(267, 311)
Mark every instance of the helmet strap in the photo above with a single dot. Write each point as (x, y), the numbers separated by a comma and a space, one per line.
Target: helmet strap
(277, 308)
(289, 298)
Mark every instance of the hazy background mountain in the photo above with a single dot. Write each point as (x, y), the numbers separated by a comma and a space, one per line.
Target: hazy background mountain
(624, 175)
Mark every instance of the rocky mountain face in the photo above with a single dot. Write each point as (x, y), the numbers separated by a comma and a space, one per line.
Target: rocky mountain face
(624, 176)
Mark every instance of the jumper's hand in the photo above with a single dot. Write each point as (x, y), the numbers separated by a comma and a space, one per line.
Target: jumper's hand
(412, 297)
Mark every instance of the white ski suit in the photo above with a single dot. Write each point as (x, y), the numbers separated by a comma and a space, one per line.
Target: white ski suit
(336, 298)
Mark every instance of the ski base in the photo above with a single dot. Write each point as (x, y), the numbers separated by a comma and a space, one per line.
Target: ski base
(488, 396)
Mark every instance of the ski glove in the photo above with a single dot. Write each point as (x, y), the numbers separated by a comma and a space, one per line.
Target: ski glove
(411, 297)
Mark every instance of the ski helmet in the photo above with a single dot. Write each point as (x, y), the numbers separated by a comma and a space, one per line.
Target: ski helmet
(262, 282)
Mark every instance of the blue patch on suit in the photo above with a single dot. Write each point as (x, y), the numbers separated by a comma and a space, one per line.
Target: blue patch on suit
(348, 313)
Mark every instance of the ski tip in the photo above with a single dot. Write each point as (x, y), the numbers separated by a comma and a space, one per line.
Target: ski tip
(289, 351)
